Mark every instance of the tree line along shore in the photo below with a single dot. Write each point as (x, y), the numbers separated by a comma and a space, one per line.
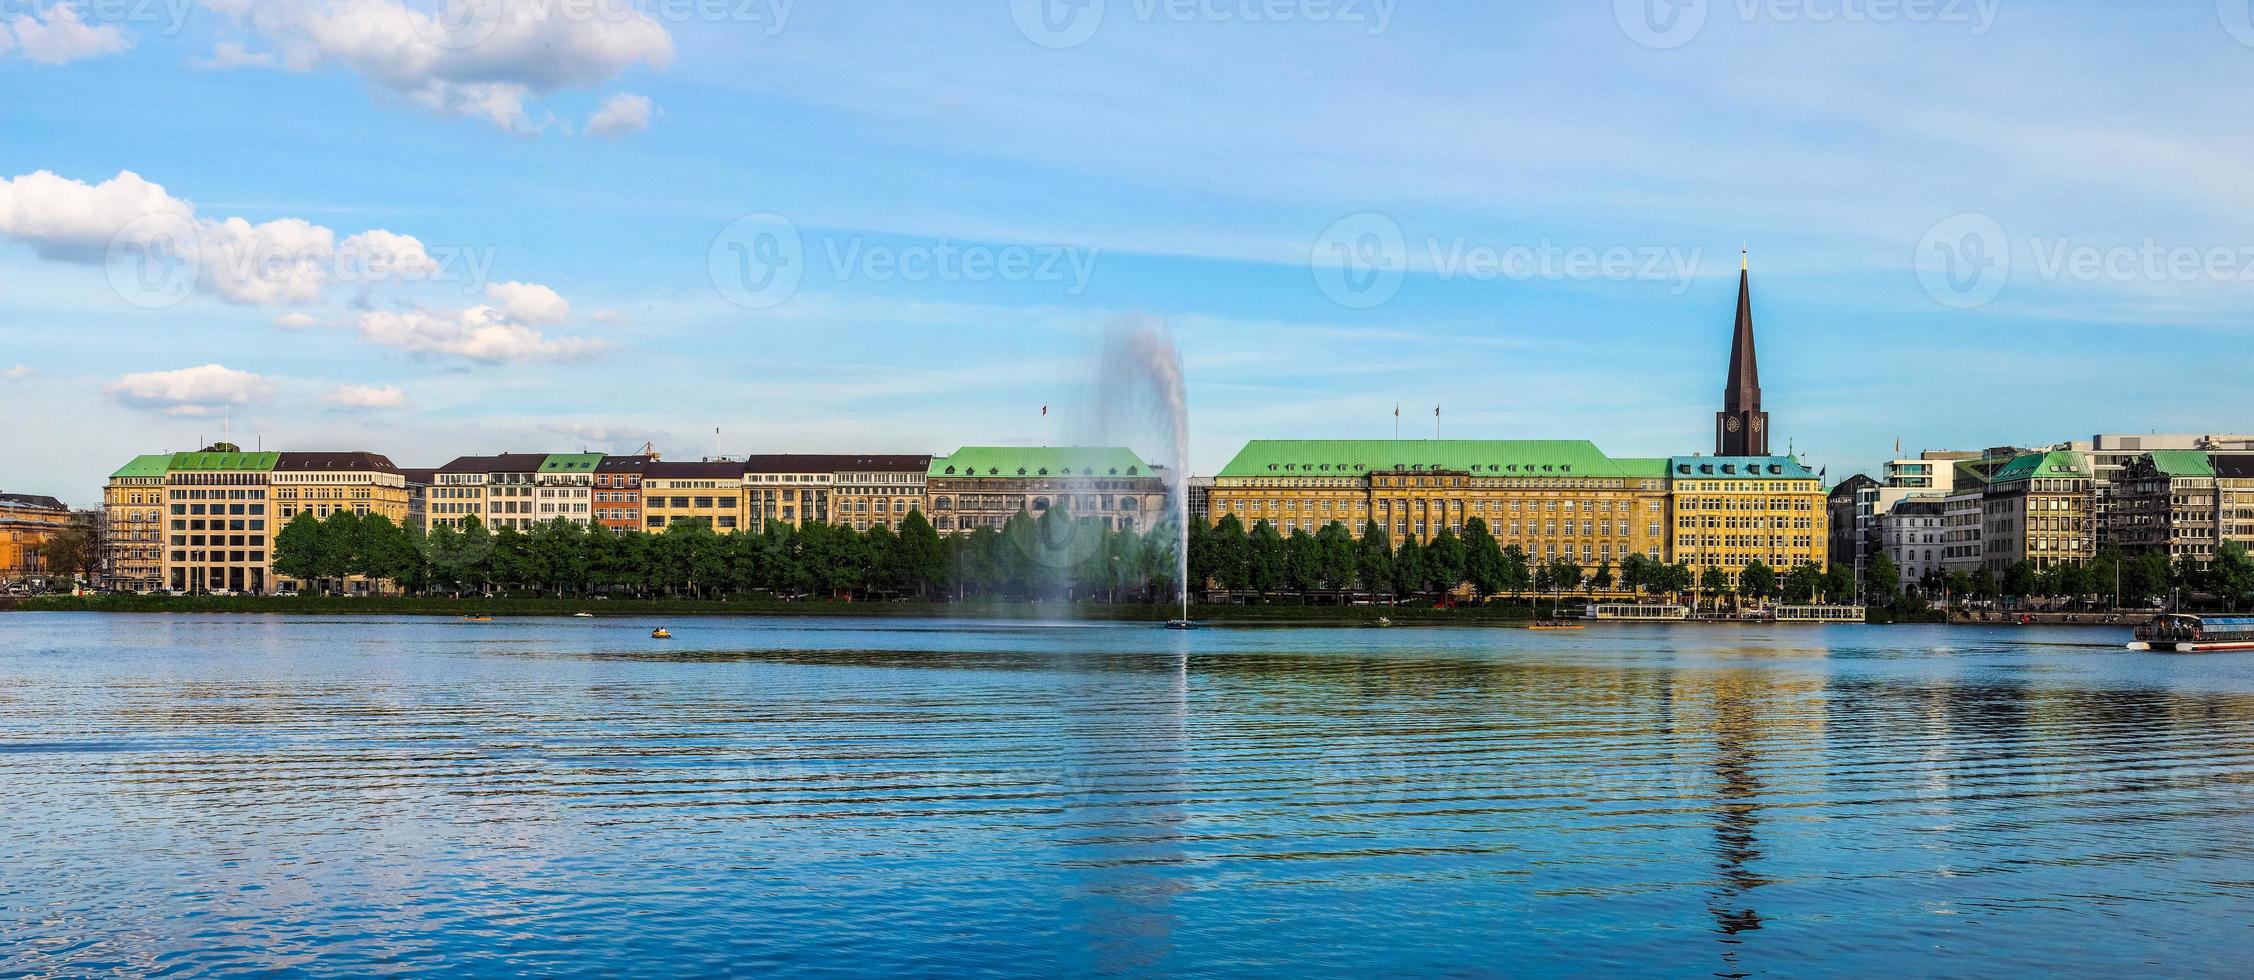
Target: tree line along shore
(1057, 558)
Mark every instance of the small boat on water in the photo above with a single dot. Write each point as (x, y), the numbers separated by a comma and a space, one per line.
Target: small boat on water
(1181, 624)
(475, 618)
(2187, 633)
(661, 633)
(582, 615)
(1553, 624)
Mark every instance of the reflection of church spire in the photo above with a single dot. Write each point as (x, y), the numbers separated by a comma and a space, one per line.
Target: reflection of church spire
(1737, 819)
(1741, 428)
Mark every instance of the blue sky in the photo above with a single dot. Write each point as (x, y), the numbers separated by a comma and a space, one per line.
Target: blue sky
(2083, 163)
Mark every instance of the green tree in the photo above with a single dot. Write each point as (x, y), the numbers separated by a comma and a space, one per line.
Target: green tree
(1408, 565)
(1602, 579)
(1444, 561)
(1518, 570)
(341, 545)
(1232, 554)
(1883, 582)
(1757, 580)
(1714, 581)
(2020, 580)
(1303, 571)
(2145, 577)
(1802, 583)
(1373, 561)
(1483, 558)
(1264, 558)
(1334, 545)
(70, 552)
(1564, 575)
(298, 549)
(922, 558)
(2232, 576)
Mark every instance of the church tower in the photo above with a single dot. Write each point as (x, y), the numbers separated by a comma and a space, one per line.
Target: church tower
(1741, 428)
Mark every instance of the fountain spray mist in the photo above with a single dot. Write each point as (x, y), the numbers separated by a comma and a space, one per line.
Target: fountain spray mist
(1139, 386)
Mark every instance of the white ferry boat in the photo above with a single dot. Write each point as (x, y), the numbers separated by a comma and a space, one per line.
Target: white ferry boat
(2186, 633)
(1636, 612)
(1819, 614)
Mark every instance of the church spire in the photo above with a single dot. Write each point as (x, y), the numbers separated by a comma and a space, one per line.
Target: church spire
(1741, 428)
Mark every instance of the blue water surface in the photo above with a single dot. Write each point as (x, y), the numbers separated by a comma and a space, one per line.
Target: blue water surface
(212, 795)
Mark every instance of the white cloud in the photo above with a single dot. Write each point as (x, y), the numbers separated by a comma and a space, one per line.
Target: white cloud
(62, 37)
(485, 64)
(380, 254)
(232, 54)
(611, 318)
(17, 373)
(287, 260)
(67, 219)
(196, 391)
(479, 333)
(619, 115)
(526, 302)
(366, 396)
(296, 321)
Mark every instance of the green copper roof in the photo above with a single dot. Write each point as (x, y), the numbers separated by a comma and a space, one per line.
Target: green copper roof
(2058, 463)
(152, 465)
(570, 462)
(1650, 468)
(1032, 460)
(248, 462)
(2182, 462)
(1738, 468)
(1556, 458)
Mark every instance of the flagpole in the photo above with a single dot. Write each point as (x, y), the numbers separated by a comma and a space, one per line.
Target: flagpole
(1396, 421)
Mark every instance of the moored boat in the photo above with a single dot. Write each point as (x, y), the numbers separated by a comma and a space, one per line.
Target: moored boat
(1637, 612)
(2188, 633)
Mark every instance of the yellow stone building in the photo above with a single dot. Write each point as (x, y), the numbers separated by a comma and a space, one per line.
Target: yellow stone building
(1731, 510)
(1554, 499)
(27, 521)
(321, 484)
(711, 491)
(133, 516)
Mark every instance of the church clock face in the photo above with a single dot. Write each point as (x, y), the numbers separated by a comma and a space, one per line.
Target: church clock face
(1758, 423)
(1731, 425)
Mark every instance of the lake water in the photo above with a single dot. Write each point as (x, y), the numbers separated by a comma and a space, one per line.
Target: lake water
(206, 795)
